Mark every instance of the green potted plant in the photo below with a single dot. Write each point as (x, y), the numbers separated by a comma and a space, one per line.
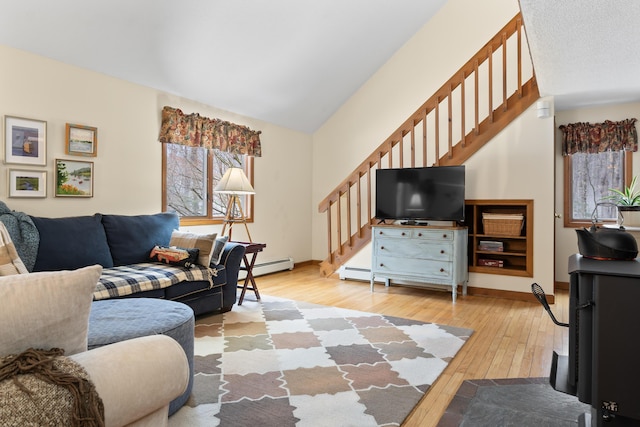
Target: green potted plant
(627, 201)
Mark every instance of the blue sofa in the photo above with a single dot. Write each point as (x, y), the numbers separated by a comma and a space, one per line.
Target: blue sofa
(122, 244)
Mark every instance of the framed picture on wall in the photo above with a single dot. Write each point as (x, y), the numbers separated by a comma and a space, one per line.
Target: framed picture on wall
(81, 140)
(74, 178)
(25, 141)
(27, 183)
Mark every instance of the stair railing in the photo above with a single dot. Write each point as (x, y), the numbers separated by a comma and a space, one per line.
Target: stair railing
(455, 122)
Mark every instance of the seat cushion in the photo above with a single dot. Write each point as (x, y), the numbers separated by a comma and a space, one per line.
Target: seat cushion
(118, 320)
(57, 251)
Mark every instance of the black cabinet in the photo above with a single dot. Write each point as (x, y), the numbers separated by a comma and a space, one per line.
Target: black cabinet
(602, 367)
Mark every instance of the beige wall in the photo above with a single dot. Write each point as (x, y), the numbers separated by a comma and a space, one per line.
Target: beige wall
(566, 239)
(128, 166)
(517, 164)
(297, 170)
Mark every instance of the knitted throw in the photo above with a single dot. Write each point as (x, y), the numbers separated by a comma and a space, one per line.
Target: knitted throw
(42, 387)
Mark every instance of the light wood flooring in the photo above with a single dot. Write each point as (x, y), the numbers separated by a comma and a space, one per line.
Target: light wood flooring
(512, 339)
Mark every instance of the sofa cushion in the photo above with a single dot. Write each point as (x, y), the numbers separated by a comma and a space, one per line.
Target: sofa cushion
(47, 310)
(131, 237)
(70, 243)
(203, 242)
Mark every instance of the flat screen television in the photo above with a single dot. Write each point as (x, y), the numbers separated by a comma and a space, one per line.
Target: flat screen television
(418, 195)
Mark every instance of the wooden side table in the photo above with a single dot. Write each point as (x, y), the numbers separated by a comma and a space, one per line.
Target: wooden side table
(253, 249)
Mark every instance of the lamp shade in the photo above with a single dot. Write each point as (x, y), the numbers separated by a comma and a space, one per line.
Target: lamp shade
(234, 181)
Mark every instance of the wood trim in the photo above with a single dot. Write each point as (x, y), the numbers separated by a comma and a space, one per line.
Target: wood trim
(561, 286)
(513, 295)
(305, 263)
(568, 201)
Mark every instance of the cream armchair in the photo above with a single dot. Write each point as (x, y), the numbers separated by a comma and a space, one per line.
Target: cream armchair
(51, 310)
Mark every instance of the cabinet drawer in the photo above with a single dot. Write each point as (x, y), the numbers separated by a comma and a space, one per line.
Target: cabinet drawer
(407, 266)
(443, 235)
(398, 233)
(421, 250)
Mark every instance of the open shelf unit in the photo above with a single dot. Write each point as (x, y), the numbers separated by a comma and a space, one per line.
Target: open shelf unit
(516, 255)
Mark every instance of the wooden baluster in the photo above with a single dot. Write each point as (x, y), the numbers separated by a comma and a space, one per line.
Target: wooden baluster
(339, 223)
(504, 72)
(519, 40)
(463, 113)
(437, 130)
(413, 147)
(424, 139)
(490, 72)
(477, 93)
(329, 235)
(450, 122)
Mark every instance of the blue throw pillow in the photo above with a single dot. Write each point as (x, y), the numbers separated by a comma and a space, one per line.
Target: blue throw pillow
(131, 237)
(71, 242)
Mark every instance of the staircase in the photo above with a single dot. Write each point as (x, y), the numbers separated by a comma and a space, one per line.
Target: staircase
(471, 108)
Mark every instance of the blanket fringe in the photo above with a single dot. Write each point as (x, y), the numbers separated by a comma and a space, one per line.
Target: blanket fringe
(88, 409)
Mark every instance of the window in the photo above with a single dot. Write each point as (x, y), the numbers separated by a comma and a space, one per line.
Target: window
(190, 174)
(587, 180)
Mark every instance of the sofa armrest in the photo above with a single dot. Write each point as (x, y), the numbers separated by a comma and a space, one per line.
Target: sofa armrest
(231, 258)
(136, 377)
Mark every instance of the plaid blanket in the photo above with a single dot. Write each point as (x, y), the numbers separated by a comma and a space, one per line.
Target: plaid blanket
(129, 279)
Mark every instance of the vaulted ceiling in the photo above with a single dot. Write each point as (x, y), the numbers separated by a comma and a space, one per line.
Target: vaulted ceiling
(288, 62)
(294, 62)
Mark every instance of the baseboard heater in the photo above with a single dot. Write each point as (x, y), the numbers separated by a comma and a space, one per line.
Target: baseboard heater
(356, 273)
(267, 267)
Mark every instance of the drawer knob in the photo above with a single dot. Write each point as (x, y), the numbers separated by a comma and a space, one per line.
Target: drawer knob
(380, 233)
(442, 251)
(381, 247)
(403, 233)
(442, 270)
(381, 265)
(444, 236)
(419, 234)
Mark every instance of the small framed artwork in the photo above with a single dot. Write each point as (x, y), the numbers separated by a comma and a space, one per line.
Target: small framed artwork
(27, 183)
(74, 178)
(25, 141)
(81, 140)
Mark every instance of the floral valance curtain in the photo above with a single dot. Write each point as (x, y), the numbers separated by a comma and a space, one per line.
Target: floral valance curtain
(599, 137)
(197, 131)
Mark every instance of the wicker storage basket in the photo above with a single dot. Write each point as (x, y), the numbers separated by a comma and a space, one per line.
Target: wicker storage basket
(502, 224)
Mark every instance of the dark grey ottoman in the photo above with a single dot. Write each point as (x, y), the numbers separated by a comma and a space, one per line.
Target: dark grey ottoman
(117, 320)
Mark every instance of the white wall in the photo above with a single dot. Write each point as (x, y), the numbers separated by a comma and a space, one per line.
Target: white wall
(517, 164)
(128, 166)
(566, 239)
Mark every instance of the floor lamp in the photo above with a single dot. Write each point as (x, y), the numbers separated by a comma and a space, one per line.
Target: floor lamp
(235, 183)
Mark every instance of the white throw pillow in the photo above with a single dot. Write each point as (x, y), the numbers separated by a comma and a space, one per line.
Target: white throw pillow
(203, 242)
(47, 310)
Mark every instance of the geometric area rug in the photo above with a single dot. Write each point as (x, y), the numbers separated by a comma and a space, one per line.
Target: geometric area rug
(279, 362)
